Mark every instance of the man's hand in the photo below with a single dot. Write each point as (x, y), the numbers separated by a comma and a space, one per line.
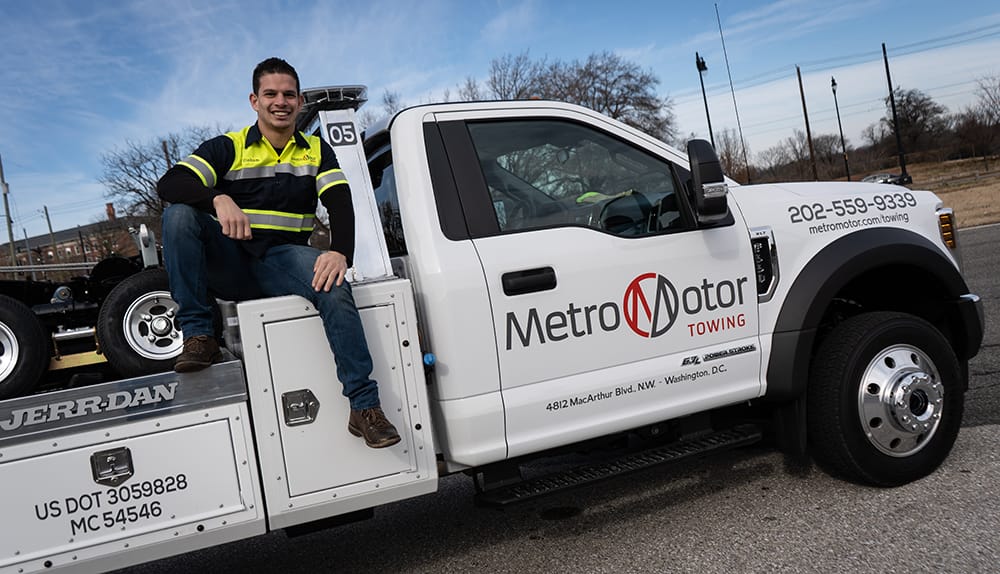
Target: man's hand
(329, 270)
(235, 223)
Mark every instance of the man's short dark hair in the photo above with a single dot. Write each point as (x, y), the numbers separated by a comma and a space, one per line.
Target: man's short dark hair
(274, 66)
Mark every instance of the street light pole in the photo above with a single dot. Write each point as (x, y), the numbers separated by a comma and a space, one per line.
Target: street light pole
(843, 146)
(702, 67)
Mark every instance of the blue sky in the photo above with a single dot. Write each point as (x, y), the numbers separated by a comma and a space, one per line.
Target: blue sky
(80, 78)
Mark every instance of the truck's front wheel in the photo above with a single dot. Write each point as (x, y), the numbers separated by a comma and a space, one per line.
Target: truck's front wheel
(137, 326)
(24, 350)
(885, 399)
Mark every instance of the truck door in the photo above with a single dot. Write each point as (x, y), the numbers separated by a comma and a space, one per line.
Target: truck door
(611, 307)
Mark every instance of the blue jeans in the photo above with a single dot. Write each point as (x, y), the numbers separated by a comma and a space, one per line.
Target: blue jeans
(203, 264)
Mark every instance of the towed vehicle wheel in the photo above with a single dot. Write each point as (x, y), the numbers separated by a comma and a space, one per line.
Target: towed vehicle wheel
(24, 348)
(885, 399)
(137, 325)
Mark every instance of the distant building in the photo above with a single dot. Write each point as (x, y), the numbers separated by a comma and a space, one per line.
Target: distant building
(84, 243)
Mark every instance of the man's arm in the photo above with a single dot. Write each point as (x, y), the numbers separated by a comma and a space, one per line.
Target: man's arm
(193, 182)
(180, 185)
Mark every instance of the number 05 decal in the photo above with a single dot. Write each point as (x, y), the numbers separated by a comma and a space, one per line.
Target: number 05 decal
(342, 133)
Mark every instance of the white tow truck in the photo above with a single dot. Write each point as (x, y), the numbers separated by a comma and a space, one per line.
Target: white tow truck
(530, 275)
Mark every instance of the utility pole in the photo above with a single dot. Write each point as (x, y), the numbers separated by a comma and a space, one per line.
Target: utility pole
(166, 156)
(27, 249)
(83, 246)
(843, 146)
(809, 138)
(6, 210)
(702, 67)
(52, 236)
(166, 153)
(904, 177)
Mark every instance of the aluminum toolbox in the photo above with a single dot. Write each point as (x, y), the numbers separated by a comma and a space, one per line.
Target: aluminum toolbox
(311, 466)
(110, 475)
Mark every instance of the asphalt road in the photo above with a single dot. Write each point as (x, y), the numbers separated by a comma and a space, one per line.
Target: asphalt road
(740, 512)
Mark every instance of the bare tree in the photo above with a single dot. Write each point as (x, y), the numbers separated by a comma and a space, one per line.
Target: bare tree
(875, 134)
(773, 162)
(988, 93)
(794, 151)
(515, 77)
(131, 172)
(391, 102)
(921, 119)
(609, 84)
(790, 160)
(973, 128)
(979, 125)
(730, 151)
(829, 158)
(471, 91)
(798, 146)
(604, 82)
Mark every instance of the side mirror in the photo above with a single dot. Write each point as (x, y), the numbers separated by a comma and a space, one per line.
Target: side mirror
(708, 183)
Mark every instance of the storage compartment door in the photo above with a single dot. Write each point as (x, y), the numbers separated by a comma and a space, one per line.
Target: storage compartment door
(321, 454)
(149, 489)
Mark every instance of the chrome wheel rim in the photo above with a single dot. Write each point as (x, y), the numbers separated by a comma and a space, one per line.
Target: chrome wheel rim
(900, 400)
(10, 351)
(150, 326)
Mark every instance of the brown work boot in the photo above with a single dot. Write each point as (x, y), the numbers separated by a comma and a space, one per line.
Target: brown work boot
(199, 352)
(372, 425)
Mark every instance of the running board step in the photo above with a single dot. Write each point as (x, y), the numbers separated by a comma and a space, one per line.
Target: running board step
(718, 441)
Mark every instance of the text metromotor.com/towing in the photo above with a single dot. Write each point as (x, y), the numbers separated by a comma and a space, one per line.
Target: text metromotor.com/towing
(530, 275)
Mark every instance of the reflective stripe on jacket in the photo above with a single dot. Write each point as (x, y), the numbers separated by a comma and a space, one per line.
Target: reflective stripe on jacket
(255, 160)
(279, 192)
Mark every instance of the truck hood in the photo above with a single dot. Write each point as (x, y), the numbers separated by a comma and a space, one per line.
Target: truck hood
(780, 192)
(772, 203)
(807, 216)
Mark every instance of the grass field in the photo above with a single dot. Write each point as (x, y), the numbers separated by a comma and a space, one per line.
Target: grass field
(970, 186)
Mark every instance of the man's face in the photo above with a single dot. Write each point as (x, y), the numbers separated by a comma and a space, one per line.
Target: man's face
(277, 102)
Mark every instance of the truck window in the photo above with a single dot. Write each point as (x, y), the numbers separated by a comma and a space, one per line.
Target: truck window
(545, 173)
(384, 183)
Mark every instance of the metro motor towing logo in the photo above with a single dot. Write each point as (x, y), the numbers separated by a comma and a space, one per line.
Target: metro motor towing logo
(651, 305)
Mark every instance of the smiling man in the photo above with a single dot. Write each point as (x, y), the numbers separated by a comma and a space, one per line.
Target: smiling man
(241, 213)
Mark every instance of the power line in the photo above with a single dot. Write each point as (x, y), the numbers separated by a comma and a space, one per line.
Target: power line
(78, 205)
(853, 58)
(38, 214)
(872, 105)
(833, 62)
(955, 43)
(992, 28)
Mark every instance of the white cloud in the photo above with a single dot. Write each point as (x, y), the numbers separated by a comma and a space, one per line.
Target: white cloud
(512, 22)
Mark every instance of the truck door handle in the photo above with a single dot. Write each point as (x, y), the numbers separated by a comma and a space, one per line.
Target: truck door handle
(528, 281)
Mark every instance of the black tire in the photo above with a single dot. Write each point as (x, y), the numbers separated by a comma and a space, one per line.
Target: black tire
(24, 348)
(885, 399)
(137, 327)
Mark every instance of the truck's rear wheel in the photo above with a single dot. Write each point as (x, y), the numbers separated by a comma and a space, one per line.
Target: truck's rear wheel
(137, 325)
(885, 399)
(24, 350)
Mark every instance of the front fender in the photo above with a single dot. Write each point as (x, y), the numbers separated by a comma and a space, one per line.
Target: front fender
(836, 266)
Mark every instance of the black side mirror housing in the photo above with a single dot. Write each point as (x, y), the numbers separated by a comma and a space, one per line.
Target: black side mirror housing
(708, 184)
